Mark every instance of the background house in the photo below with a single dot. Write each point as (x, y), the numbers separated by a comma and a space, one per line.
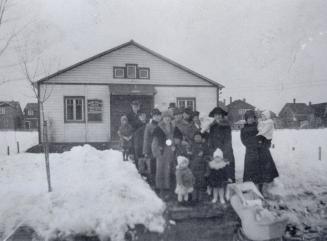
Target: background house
(320, 112)
(31, 116)
(11, 115)
(88, 98)
(236, 111)
(297, 115)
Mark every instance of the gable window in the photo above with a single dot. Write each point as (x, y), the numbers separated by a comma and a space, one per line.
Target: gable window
(30, 112)
(74, 109)
(2, 110)
(94, 110)
(186, 102)
(144, 73)
(119, 72)
(131, 71)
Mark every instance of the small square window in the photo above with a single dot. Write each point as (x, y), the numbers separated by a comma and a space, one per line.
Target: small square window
(119, 72)
(131, 71)
(144, 73)
(188, 102)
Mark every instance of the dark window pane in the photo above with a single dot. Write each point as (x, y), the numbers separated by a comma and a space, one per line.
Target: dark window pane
(69, 109)
(79, 110)
(131, 72)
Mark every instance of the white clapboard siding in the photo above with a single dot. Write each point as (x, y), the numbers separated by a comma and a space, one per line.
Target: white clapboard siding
(59, 131)
(100, 70)
(206, 97)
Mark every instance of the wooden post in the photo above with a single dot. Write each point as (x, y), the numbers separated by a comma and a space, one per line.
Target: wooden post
(319, 153)
(8, 150)
(46, 154)
(293, 148)
(17, 146)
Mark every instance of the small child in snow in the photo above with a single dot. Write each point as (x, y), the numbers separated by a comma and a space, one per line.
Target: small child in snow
(125, 132)
(265, 128)
(184, 179)
(218, 177)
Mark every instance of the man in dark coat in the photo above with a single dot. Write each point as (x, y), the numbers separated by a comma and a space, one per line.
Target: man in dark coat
(259, 166)
(133, 118)
(220, 136)
(186, 126)
(138, 137)
(147, 142)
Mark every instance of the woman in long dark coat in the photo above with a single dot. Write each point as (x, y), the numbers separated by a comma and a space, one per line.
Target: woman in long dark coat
(220, 136)
(259, 166)
(162, 151)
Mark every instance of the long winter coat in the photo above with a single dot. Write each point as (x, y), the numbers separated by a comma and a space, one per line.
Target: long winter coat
(259, 166)
(164, 155)
(148, 136)
(199, 164)
(220, 136)
(138, 141)
(188, 129)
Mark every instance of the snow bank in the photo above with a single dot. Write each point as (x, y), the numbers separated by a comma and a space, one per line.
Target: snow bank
(26, 140)
(94, 192)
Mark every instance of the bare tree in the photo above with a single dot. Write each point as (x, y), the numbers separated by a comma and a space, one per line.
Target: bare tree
(41, 96)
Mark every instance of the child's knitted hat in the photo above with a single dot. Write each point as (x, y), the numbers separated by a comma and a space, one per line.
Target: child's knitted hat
(182, 160)
(218, 153)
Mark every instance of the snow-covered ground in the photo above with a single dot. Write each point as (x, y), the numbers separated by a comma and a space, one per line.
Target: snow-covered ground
(26, 140)
(94, 192)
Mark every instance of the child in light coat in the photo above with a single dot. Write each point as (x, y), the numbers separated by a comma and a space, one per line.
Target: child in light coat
(184, 179)
(265, 128)
(218, 176)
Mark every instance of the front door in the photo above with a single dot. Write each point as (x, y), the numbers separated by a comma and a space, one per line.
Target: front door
(120, 104)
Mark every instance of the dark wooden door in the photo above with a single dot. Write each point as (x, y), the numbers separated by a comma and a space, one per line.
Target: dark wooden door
(120, 104)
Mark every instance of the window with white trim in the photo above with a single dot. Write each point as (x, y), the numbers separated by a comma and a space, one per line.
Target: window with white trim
(119, 72)
(94, 110)
(186, 102)
(144, 73)
(74, 109)
(2, 110)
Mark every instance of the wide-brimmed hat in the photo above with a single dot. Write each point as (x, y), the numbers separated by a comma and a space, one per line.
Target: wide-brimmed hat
(217, 111)
(248, 114)
(155, 111)
(167, 114)
(172, 105)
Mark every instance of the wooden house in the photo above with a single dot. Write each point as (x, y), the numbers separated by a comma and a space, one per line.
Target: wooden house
(297, 115)
(236, 111)
(88, 98)
(31, 116)
(11, 115)
(320, 112)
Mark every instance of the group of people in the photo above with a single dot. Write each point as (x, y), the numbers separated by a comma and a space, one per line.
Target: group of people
(177, 155)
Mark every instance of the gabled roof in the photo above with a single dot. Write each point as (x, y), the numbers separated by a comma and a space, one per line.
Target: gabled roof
(298, 108)
(33, 106)
(132, 42)
(320, 109)
(240, 102)
(13, 104)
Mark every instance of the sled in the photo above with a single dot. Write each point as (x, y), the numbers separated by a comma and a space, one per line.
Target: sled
(258, 223)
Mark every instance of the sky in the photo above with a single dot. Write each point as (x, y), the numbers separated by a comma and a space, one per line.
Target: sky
(267, 51)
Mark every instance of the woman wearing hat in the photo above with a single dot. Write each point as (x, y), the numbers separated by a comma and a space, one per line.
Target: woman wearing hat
(259, 166)
(162, 150)
(220, 136)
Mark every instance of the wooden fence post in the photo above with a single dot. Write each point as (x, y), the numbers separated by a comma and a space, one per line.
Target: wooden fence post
(8, 150)
(319, 153)
(17, 146)
(46, 154)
